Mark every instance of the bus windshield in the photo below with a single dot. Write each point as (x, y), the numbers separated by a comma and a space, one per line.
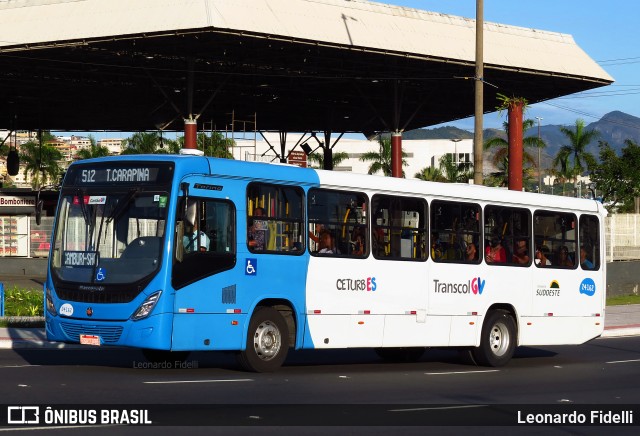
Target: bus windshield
(106, 236)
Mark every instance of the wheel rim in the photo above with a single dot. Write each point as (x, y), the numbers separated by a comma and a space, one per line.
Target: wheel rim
(499, 339)
(267, 340)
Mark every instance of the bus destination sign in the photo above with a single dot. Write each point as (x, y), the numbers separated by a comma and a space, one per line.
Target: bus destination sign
(108, 175)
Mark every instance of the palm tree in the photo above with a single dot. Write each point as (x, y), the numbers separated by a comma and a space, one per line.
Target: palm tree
(572, 158)
(93, 151)
(317, 159)
(41, 162)
(142, 143)
(430, 174)
(381, 160)
(455, 173)
(500, 158)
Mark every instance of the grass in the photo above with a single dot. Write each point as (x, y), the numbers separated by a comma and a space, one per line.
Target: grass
(623, 299)
(23, 302)
(23, 307)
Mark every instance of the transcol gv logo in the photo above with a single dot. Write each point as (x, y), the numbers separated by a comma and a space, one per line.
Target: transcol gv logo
(475, 286)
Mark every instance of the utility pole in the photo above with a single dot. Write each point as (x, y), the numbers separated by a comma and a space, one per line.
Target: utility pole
(479, 96)
(539, 154)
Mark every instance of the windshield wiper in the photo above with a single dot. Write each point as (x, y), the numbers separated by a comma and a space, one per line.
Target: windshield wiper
(120, 208)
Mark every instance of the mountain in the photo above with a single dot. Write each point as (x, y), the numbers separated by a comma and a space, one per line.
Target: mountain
(614, 127)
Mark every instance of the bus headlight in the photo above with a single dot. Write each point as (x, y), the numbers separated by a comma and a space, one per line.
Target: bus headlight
(147, 306)
(51, 308)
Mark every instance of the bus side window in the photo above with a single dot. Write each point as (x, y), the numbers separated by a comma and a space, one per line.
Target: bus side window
(589, 240)
(274, 218)
(338, 224)
(508, 231)
(400, 227)
(455, 232)
(557, 233)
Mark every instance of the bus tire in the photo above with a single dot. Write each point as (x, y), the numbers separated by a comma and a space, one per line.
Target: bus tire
(497, 340)
(267, 342)
(400, 354)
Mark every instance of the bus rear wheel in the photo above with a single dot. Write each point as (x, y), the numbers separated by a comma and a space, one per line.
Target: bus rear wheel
(497, 340)
(267, 342)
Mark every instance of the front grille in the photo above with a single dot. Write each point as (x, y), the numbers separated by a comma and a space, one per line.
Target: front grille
(97, 297)
(108, 334)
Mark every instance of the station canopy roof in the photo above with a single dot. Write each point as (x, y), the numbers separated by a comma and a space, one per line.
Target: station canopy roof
(290, 65)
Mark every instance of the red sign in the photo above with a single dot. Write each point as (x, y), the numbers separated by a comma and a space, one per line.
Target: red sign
(298, 158)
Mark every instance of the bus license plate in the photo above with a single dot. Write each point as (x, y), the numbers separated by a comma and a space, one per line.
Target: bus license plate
(90, 340)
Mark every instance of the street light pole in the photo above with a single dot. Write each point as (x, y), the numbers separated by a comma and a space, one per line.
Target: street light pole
(539, 155)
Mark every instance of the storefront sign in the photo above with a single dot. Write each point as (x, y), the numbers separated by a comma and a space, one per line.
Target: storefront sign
(12, 201)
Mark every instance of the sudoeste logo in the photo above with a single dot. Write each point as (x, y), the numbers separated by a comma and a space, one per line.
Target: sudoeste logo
(588, 287)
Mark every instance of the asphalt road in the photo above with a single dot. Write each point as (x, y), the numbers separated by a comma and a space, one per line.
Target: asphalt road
(326, 387)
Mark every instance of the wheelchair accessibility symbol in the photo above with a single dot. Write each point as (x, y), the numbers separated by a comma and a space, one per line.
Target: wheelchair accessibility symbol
(251, 267)
(101, 274)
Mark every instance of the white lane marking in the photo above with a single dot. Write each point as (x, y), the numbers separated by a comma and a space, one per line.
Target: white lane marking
(196, 381)
(624, 361)
(17, 366)
(418, 409)
(461, 372)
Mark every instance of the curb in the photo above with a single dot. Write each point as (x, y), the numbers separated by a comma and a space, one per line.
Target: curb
(621, 331)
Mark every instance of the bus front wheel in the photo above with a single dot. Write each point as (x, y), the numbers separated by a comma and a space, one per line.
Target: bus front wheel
(267, 342)
(497, 340)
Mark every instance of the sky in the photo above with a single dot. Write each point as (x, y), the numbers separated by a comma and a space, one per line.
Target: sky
(605, 30)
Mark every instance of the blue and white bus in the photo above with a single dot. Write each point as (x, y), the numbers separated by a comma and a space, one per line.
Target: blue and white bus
(174, 253)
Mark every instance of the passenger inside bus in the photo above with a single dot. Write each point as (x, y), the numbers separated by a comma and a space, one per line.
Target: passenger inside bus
(326, 245)
(563, 257)
(584, 262)
(541, 256)
(436, 246)
(472, 252)
(256, 232)
(521, 252)
(495, 252)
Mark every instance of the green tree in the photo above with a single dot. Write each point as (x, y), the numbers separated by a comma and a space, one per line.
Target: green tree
(142, 143)
(500, 158)
(617, 178)
(573, 159)
(381, 160)
(40, 162)
(94, 150)
(316, 160)
(455, 173)
(430, 174)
